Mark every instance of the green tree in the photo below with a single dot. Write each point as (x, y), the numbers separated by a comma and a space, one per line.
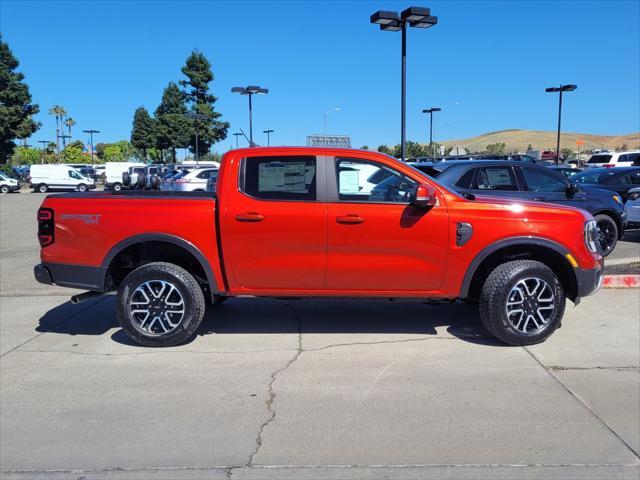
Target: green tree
(143, 132)
(384, 149)
(364, 147)
(16, 109)
(529, 148)
(197, 69)
(496, 148)
(25, 156)
(59, 112)
(100, 150)
(69, 122)
(121, 151)
(72, 153)
(173, 127)
(566, 152)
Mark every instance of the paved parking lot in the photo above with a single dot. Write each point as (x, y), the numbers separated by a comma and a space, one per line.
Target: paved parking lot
(308, 389)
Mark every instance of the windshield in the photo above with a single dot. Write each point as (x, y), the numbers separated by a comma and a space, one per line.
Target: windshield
(600, 159)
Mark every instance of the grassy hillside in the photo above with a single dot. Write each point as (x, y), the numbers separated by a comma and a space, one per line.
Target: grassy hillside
(518, 140)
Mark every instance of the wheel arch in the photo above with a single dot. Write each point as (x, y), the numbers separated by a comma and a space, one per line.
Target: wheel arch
(139, 250)
(546, 251)
(615, 217)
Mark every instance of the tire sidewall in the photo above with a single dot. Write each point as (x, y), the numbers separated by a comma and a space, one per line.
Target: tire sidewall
(117, 187)
(42, 188)
(82, 187)
(4, 189)
(515, 336)
(190, 321)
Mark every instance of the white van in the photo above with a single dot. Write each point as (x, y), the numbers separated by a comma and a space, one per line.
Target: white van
(58, 177)
(113, 173)
(8, 184)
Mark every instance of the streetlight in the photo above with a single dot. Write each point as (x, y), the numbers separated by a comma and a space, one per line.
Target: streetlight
(430, 112)
(324, 122)
(91, 132)
(196, 116)
(418, 17)
(43, 142)
(561, 88)
(237, 134)
(268, 132)
(250, 90)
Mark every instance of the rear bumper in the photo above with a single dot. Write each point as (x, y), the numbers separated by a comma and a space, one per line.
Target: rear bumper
(72, 276)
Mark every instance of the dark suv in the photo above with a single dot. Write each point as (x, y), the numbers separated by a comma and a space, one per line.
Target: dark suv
(533, 182)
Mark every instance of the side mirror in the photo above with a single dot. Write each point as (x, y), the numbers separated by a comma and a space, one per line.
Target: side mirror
(425, 196)
(572, 189)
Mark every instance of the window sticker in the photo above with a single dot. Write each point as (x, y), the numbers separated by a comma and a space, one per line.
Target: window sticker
(348, 181)
(282, 177)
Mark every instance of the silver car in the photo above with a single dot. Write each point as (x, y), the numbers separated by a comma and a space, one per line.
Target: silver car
(632, 207)
(194, 181)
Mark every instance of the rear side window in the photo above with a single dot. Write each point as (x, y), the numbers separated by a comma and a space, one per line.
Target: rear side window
(634, 158)
(496, 178)
(599, 159)
(279, 178)
(465, 180)
(207, 174)
(634, 178)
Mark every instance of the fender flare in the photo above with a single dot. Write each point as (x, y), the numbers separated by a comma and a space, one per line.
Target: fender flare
(509, 242)
(162, 237)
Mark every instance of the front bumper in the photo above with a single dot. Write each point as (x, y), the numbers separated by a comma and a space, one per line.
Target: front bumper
(589, 281)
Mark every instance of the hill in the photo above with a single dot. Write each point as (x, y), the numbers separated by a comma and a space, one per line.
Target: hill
(519, 140)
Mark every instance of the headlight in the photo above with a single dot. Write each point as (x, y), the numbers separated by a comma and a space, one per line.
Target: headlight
(618, 199)
(591, 236)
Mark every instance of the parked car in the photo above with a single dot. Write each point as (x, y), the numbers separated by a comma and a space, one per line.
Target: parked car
(538, 183)
(620, 180)
(632, 207)
(567, 171)
(8, 184)
(614, 159)
(59, 177)
(113, 173)
(291, 222)
(166, 183)
(193, 181)
(550, 156)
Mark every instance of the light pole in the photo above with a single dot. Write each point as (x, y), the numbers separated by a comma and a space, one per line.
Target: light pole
(268, 132)
(560, 89)
(250, 91)
(196, 116)
(91, 132)
(324, 121)
(430, 112)
(43, 142)
(418, 17)
(237, 134)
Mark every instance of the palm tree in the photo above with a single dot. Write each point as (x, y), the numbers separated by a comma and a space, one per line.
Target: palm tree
(59, 112)
(69, 122)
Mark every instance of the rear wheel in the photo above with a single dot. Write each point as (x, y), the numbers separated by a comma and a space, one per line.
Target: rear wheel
(522, 302)
(160, 305)
(43, 188)
(607, 233)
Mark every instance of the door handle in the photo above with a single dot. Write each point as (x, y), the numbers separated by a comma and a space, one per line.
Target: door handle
(352, 218)
(249, 217)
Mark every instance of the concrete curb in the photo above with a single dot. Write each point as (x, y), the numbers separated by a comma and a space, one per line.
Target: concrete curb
(621, 281)
(621, 261)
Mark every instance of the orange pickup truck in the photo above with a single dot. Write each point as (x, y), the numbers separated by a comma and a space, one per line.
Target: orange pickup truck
(317, 222)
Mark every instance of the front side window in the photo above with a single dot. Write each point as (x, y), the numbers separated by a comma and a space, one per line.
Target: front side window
(364, 181)
(496, 178)
(74, 174)
(634, 178)
(539, 180)
(280, 178)
(206, 174)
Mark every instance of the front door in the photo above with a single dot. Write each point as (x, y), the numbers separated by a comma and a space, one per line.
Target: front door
(276, 225)
(545, 185)
(377, 241)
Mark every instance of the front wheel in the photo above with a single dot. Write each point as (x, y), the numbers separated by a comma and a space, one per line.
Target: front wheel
(82, 187)
(160, 305)
(522, 302)
(4, 189)
(117, 187)
(607, 233)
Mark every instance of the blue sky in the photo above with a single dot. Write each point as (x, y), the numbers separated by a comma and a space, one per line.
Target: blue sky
(486, 64)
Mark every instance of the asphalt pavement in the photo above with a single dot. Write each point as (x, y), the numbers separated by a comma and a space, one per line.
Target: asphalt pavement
(308, 389)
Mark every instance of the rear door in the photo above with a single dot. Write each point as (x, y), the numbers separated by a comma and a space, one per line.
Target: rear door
(276, 224)
(377, 241)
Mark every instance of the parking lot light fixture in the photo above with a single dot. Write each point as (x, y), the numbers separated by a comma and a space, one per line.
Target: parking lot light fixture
(560, 89)
(196, 116)
(250, 91)
(324, 121)
(237, 134)
(430, 112)
(268, 132)
(44, 144)
(418, 17)
(91, 132)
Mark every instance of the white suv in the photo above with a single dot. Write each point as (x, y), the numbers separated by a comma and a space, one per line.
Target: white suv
(194, 181)
(614, 159)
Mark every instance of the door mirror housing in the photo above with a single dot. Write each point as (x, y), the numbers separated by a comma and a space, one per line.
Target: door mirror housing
(425, 196)
(571, 189)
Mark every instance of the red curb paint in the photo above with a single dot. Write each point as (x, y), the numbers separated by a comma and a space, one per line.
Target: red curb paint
(621, 281)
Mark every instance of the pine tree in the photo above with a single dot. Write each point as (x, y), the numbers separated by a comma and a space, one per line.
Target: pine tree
(16, 109)
(197, 69)
(173, 126)
(143, 133)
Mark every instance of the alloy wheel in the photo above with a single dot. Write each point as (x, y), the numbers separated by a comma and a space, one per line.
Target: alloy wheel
(530, 305)
(156, 307)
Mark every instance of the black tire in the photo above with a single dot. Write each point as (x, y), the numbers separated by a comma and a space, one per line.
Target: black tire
(608, 233)
(499, 289)
(187, 287)
(82, 187)
(126, 179)
(117, 187)
(42, 188)
(4, 189)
